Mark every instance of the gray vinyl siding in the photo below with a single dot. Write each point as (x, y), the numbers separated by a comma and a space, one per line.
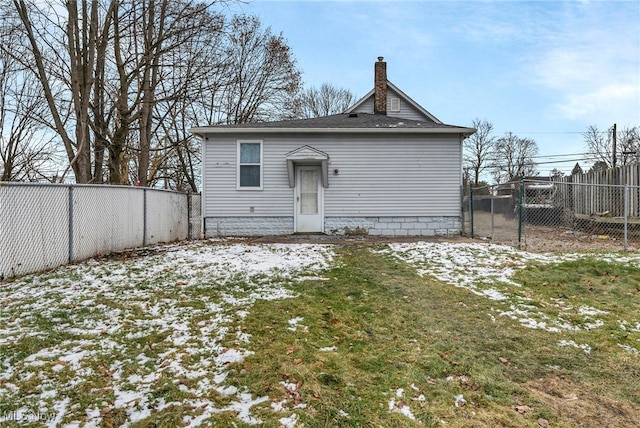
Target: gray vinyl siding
(407, 111)
(222, 198)
(387, 178)
(366, 106)
(377, 176)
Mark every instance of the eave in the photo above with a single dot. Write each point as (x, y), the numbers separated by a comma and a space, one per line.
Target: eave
(207, 130)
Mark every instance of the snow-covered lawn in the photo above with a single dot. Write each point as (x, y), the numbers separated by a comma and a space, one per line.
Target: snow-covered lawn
(142, 322)
(487, 270)
(134, 337)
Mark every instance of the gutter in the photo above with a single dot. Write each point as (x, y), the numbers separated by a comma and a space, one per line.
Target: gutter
(204, 130)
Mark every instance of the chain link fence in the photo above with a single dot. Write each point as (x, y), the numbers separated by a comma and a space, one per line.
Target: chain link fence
(46, 225)
(545, 214)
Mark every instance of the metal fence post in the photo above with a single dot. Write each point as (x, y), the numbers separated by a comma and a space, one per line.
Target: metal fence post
(144, 217)
(70, 224)
(463, 229)
(520, 192)
(471, 209)
(626, 215)
(189, 215)
(492, 216)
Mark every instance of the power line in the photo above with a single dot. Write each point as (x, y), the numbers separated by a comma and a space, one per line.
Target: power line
(565, 154)
(583, 157)
(546, 133)
(565, 161)
(551, 162)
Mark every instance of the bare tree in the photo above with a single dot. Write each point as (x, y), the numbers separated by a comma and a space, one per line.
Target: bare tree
(146, 37)
(124, 80)
(479, 149)
(324, 101)
(628, 145)
(200, 67)
(514, 157)
(598, 145)
(61, 48)
(252, 78)
(265, 78)
(101, 107)
(67, 46)
(24, 146)
(185, 94)
(165, 27)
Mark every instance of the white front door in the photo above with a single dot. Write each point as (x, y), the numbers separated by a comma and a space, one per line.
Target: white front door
(309, 200)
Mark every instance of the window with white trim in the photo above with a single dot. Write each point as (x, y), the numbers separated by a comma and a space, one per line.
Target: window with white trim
(395, 104)
(249, 171)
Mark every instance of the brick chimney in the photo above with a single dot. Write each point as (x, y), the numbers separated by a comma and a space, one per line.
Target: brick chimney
(380, 87)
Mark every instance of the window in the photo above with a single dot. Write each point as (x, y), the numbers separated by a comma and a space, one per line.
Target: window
(395, 104)
(249, 165)
(309, 191)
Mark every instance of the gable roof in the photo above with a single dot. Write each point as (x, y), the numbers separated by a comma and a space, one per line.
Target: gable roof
(367, 116)
(339, 123)
(402, 95)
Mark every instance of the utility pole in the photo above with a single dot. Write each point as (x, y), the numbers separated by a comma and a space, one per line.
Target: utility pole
(613, 163)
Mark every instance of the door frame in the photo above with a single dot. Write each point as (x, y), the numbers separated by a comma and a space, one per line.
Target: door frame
(296, 196)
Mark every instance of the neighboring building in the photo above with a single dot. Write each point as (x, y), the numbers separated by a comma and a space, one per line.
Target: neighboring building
(385, 167)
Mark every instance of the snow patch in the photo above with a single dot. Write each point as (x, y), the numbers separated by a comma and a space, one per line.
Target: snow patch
(584, 347)
(328, 349)
(400, 406)
(293, 324)
(629, 348)
(289, 422)
(460, 401)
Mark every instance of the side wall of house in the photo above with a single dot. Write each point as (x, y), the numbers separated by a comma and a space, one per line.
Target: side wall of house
(383, 185)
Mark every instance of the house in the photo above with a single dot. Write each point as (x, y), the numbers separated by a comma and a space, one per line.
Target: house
(385, 167)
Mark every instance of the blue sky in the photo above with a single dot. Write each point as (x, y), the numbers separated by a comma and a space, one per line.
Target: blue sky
(544, 69)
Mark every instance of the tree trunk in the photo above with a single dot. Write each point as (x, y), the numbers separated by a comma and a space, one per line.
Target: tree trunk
(152, 53)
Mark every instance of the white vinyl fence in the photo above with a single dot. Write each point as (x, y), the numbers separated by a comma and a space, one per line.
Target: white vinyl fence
(46, 225)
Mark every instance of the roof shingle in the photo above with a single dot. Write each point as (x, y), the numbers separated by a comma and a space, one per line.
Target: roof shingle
(342, 121)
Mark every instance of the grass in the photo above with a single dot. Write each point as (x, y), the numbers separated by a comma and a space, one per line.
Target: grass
(385, 337)
(393, 329)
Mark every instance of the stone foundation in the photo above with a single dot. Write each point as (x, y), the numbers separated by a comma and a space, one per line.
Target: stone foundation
(373, 226)
(247, 226)
(393, 226)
